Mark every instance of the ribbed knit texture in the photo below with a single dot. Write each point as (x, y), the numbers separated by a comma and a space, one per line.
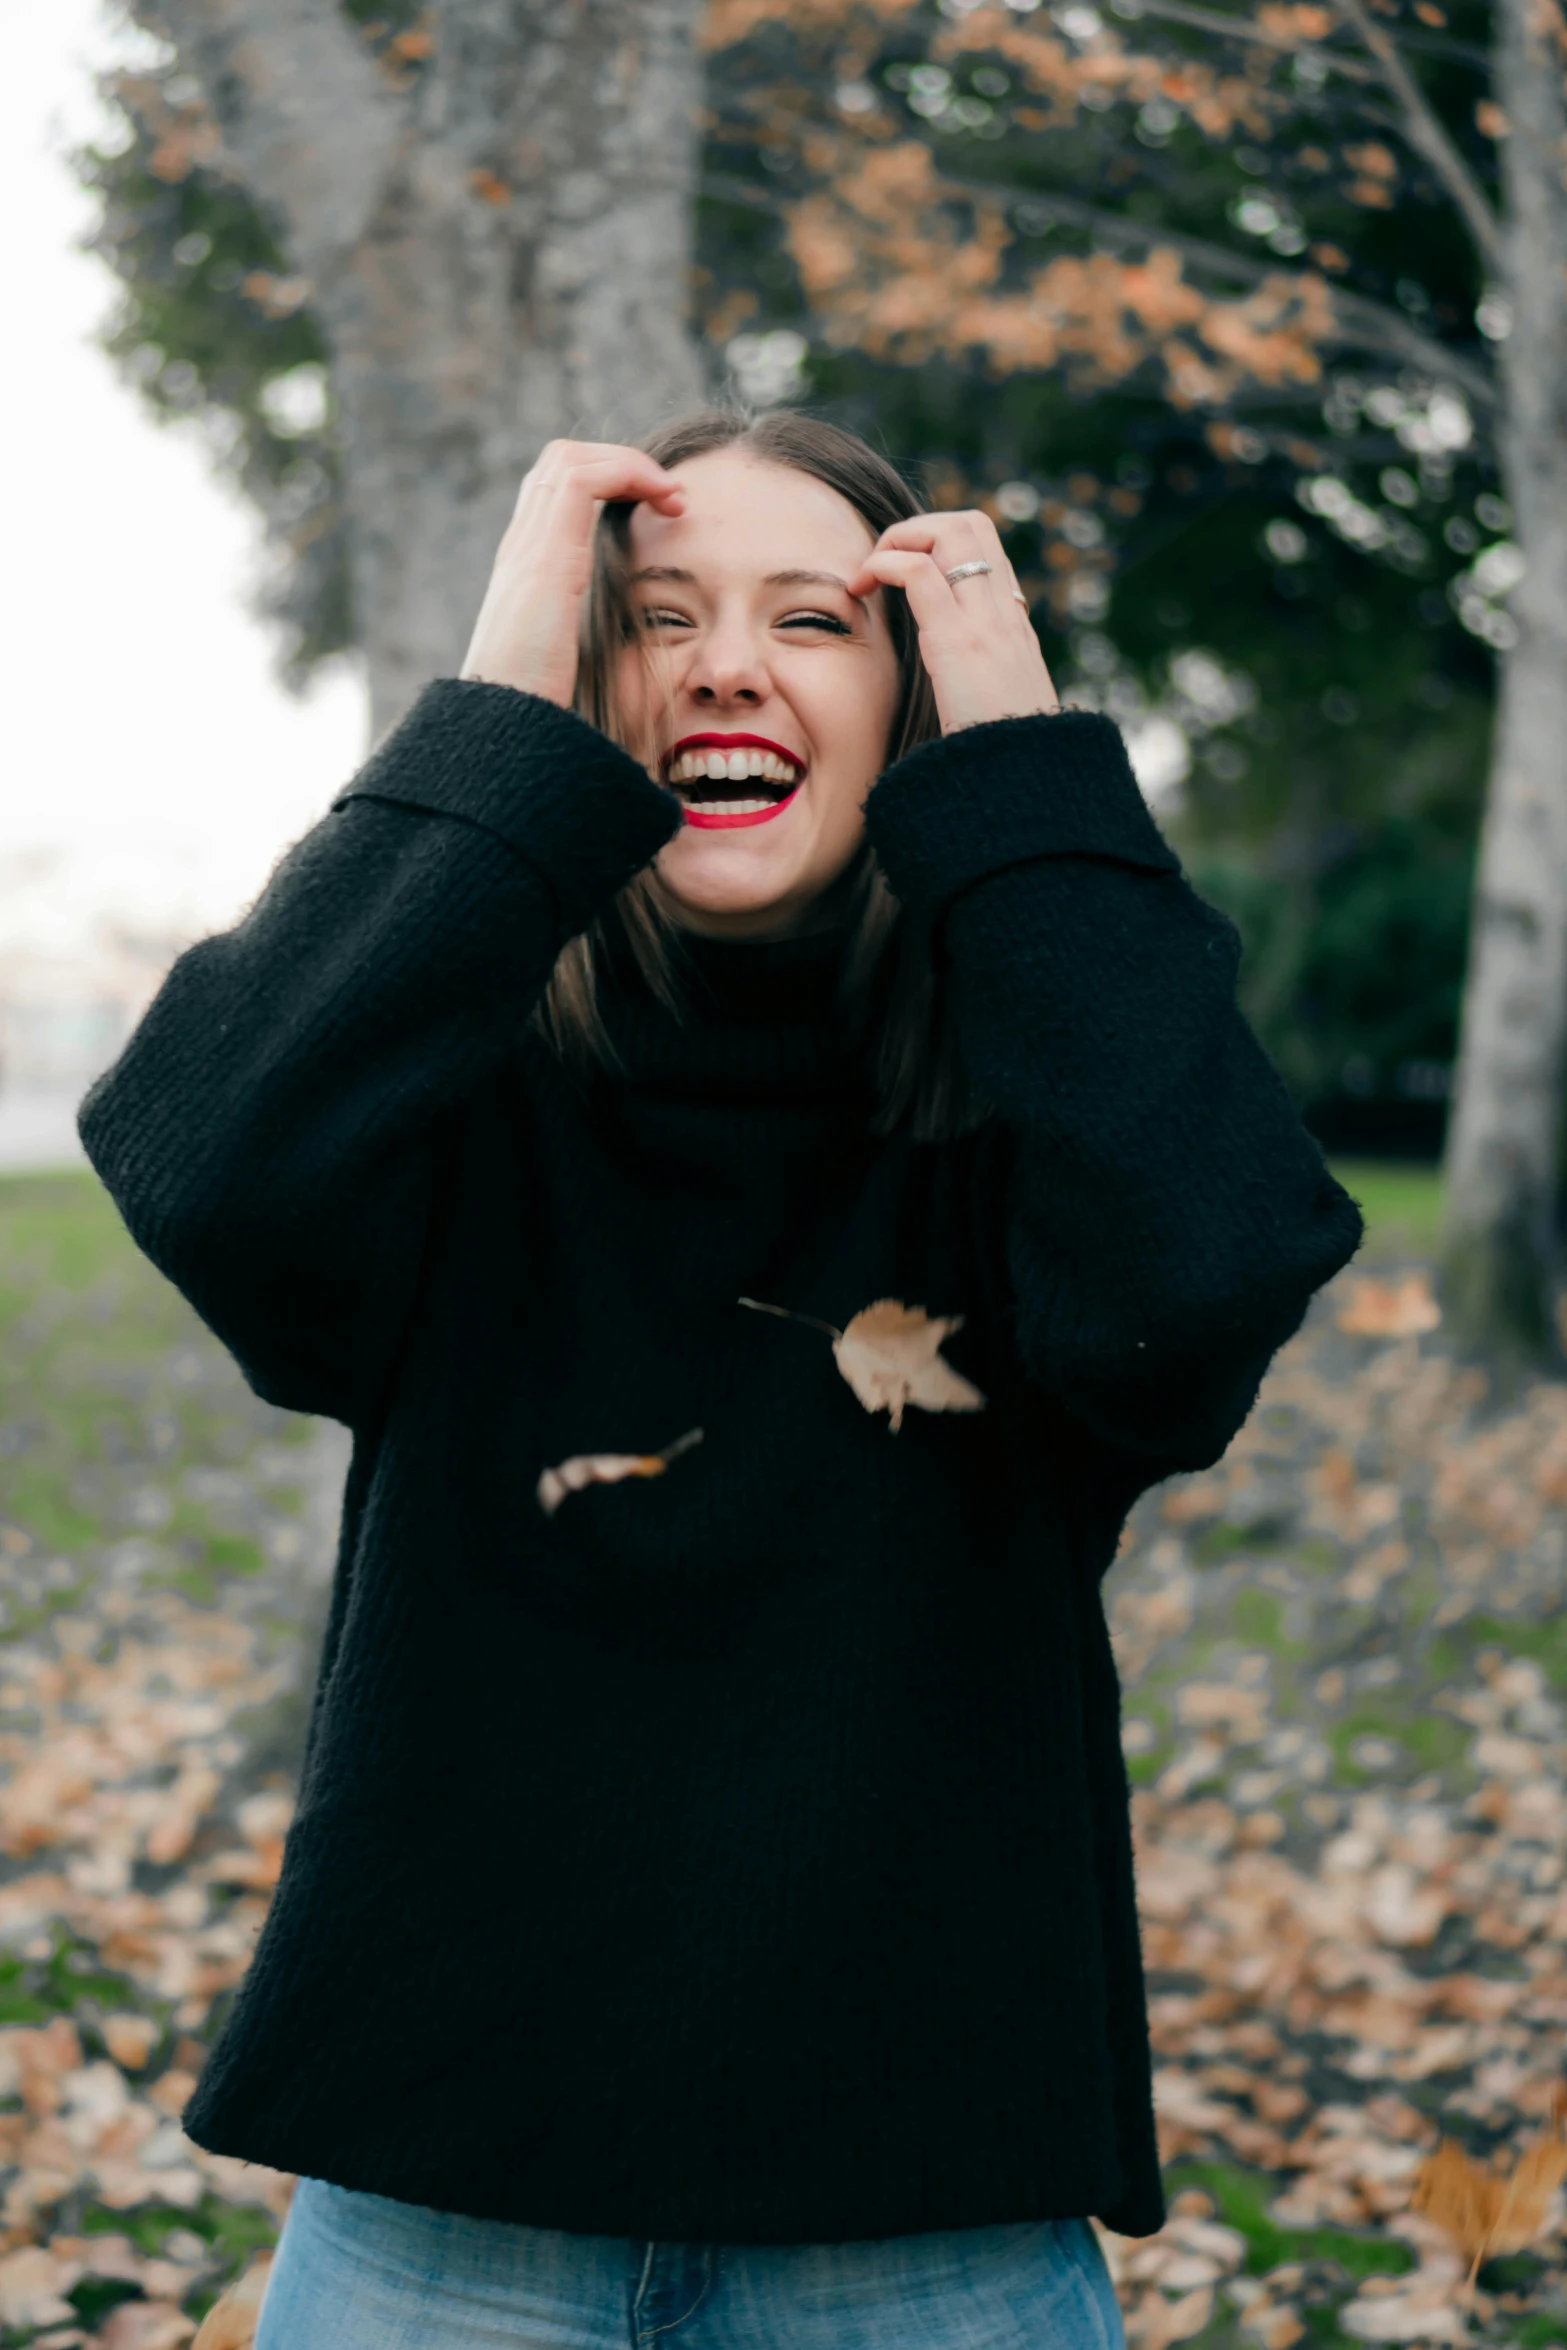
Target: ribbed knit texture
(739, 1855)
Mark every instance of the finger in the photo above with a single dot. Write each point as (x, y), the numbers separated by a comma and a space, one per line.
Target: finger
(582, 471)
(919, 575)
(624, 473)
(996, 590)
(961, 525)
(964, 536)
(929, 534)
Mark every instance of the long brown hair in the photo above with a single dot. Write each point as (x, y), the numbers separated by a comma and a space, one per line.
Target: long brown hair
(888, 974)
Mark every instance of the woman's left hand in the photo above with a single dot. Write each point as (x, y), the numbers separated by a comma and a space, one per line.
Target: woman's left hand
(976, 638)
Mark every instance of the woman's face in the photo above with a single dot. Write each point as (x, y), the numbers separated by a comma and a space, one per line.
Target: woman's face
(766, 689)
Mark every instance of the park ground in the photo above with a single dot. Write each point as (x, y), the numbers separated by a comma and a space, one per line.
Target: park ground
(1345, 1659)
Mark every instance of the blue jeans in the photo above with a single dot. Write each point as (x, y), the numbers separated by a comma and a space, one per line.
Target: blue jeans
(355, 2272)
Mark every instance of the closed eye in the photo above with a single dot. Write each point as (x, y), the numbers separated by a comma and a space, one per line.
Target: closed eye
(658, 616)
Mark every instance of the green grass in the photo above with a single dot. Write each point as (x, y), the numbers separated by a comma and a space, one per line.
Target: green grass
(1542, 2331)
(1546, 1643)
(1242, 2197)
(110, 1389)
(1402, 1204)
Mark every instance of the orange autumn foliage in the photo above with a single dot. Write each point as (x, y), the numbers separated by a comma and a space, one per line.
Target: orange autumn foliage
(1487, 2211)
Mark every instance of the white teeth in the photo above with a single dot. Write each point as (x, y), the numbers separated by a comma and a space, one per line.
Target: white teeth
(732, 767)
(734, 807)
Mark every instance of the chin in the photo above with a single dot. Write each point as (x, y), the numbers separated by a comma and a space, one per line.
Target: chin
(704, 877)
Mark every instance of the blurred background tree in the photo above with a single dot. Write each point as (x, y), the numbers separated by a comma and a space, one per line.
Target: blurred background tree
(1226, 317)
(1280, 435)
(386, 253)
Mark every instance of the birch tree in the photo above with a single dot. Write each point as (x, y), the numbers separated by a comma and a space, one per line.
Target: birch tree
(481, 220)
(1505, 1146)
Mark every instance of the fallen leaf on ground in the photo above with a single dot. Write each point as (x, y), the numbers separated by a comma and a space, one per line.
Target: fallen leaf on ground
(33, 2285)
(130, 2039)
(230, 2324)
(607, 1468)
(1157, 2322)
(148, 2325)
(1390, 1309)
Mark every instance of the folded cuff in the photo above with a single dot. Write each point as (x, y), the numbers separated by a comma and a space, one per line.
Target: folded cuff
(990, 797)
(558, 792)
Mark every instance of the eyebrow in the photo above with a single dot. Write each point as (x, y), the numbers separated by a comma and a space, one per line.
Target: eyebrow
(774, 578)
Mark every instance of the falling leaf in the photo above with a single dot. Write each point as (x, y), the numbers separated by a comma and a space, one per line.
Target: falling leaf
(1390, 1309)
(230, 2324)
(607, 1468)
(890, 1355)
(1486, 2211)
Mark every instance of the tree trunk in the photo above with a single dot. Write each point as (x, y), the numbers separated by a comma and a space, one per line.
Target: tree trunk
(494, 223)
(1503, 1154)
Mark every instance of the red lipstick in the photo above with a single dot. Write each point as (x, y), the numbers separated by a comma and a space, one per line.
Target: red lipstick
(729, 742)
(706, 821)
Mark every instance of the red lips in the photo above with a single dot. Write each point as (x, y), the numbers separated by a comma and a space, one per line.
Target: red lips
(729, 742)
(706, 819)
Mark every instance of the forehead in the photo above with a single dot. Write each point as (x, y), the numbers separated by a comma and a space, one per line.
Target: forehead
(746, 517)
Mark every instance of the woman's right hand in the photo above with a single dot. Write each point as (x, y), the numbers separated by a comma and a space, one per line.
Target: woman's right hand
(526, 632)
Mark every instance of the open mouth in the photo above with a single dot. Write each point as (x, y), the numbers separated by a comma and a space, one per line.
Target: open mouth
(724, 780)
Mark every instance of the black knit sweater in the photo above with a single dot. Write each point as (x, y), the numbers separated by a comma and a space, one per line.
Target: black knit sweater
(740, 1854)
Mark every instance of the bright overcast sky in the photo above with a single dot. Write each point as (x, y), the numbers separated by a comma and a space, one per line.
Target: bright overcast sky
(145, 734)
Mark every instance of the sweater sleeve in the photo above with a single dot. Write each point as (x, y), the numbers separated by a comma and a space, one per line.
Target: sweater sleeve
(272, 1132)
(1170, 1216)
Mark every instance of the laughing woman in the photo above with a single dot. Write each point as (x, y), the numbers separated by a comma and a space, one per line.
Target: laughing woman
(709, 1908)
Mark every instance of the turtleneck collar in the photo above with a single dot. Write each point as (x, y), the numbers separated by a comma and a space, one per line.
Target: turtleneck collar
(757, 1017)
(785, 979)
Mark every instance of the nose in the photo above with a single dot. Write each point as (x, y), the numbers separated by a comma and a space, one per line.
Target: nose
(728, 667)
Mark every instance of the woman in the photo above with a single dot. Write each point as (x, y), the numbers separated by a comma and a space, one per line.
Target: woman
(710, 1907)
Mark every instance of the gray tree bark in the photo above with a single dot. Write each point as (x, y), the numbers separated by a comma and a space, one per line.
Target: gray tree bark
(496, 238)
(1504, 1148)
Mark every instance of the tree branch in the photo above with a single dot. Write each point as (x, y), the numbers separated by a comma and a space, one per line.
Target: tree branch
(1366, 325)
(308, 120)
(1427, 136)
(1237, 28)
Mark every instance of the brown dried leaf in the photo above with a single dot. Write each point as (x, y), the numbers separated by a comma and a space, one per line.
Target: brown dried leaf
(230, 2324)
(890, 1356)
(1390, 1309)
(1158, 2322)
(1486, 2211)
(607, 1468)
(1527, 2195)
(130, 2039)
(33, 2283)
(157, 2325)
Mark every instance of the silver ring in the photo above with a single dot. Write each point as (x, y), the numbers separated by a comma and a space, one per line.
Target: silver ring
(964, 571)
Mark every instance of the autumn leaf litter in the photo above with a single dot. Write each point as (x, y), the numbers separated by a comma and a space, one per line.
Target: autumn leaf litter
(1344, 1651)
